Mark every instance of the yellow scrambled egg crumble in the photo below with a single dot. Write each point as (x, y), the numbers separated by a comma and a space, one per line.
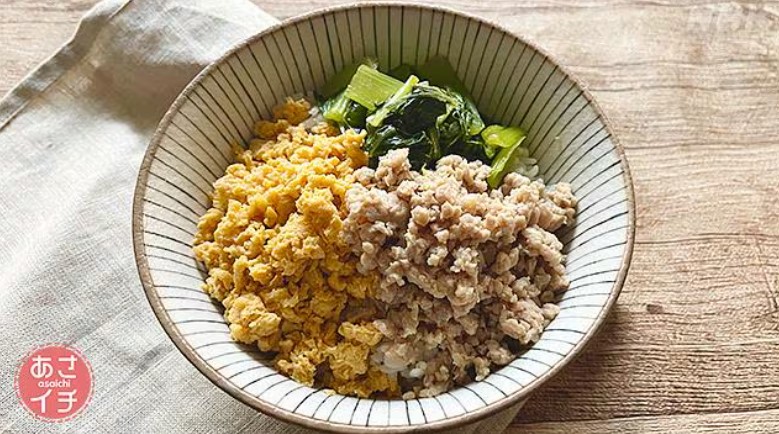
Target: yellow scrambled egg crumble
(277, 261)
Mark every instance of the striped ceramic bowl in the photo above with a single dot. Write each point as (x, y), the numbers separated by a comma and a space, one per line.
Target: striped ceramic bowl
(513, 82)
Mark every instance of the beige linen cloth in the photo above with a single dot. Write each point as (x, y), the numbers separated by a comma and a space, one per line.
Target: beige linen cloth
(72, 136)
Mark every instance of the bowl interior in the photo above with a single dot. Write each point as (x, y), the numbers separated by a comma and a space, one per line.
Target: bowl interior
(511, 82)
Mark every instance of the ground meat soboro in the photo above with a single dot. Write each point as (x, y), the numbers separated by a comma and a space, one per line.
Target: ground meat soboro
(468, 274)
(276, 258)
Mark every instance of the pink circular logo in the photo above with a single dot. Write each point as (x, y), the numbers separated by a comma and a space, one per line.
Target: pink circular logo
(54, 383)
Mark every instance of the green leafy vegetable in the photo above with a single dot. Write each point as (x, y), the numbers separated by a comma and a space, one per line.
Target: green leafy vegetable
(344, 111)
(505, 160)
(439, 72)
(378, 117)
(475, 124)
(402, 72)
(370, 87)
(497, 136)
(341, 79)
(428, 120)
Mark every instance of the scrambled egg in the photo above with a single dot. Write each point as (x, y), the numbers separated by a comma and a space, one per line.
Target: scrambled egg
(277, 261)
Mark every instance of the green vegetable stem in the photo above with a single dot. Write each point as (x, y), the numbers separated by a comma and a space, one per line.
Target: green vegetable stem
(370, 87)
(430, 113)
(503, 162)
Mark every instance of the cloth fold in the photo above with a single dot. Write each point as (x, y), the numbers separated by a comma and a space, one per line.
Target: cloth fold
(72, 136)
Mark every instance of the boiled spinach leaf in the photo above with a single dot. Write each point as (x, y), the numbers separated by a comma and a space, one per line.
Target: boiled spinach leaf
(431, 122)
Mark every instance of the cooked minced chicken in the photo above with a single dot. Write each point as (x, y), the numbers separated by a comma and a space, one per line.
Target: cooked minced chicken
(468, 274)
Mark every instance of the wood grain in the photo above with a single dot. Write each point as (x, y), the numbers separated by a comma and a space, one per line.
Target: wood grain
(31, 30)
(720, 423)
(692, 88)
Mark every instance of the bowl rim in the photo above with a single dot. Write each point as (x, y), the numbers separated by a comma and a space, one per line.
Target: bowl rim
(309, 422)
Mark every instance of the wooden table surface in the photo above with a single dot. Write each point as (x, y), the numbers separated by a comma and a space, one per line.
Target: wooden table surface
(692, 87)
